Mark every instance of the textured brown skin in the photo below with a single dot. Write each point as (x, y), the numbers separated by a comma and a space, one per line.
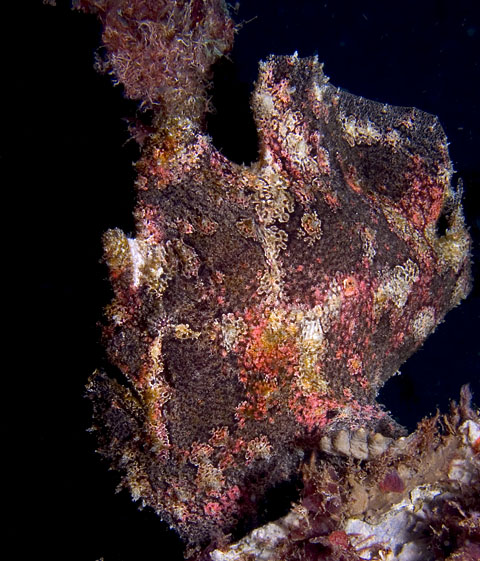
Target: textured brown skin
(258, 308)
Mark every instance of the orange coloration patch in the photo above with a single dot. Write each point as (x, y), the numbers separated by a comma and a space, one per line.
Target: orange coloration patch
(354, 365)
(350, 287)
(332, 200)
(352, 181)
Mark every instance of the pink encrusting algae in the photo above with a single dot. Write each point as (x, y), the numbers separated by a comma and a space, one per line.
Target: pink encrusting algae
(259, 309)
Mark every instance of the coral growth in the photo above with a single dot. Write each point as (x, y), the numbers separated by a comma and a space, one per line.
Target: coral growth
(418, 501)
(162, 51)
(258, 309)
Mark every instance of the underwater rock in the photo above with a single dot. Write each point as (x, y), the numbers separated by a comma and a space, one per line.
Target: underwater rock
(258, 309)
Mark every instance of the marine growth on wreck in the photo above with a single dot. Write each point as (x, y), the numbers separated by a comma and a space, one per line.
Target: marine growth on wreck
(259, 309)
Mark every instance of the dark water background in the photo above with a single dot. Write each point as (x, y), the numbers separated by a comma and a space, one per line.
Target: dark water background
(67, 177)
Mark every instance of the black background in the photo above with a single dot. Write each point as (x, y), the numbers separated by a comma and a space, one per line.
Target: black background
(67, 176)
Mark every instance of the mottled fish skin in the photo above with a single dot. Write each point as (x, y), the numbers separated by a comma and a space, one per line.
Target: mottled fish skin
(258, 309)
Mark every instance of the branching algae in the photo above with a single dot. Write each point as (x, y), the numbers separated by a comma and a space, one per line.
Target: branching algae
(258, 309)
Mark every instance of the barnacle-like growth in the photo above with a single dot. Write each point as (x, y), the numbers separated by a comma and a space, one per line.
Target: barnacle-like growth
(258, 309)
